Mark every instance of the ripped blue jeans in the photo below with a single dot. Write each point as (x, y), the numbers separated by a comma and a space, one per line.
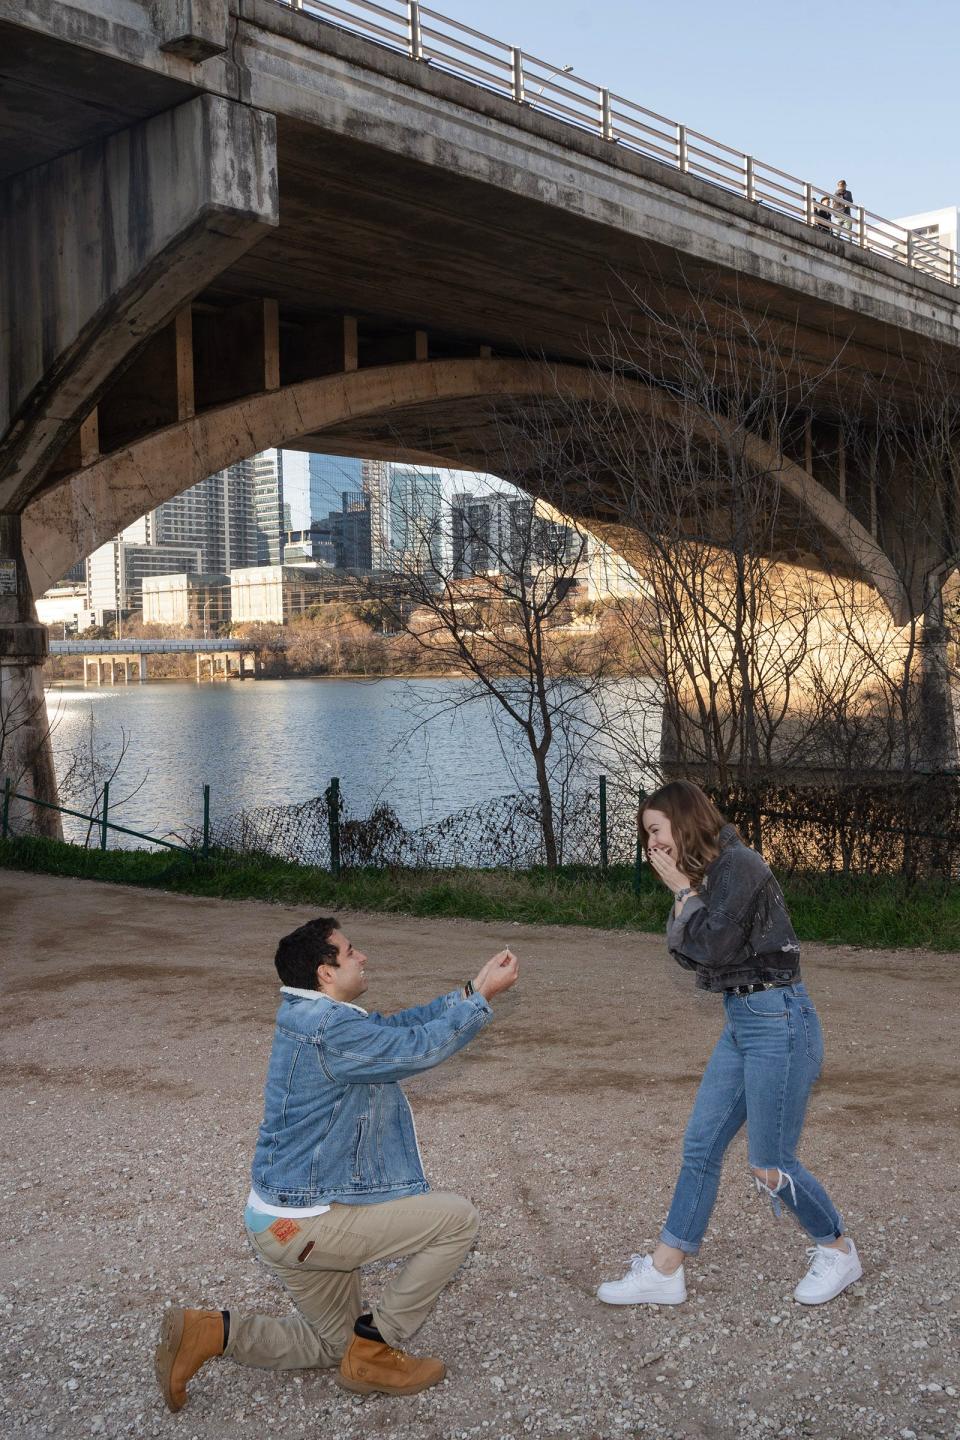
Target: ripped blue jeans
(760, 1074)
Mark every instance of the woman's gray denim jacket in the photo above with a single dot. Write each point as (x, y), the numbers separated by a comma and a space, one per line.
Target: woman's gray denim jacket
(735, 930)
(336, 1124)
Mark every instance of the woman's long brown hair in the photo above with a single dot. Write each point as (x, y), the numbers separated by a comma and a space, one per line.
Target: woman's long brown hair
(695, 821)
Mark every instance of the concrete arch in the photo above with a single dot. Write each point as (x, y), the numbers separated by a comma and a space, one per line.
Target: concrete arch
(94, 503)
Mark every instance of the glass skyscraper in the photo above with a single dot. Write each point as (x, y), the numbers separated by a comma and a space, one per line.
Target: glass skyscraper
(416, 537)
(330, 476)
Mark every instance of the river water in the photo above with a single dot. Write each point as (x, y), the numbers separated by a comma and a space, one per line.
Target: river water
(276, 742)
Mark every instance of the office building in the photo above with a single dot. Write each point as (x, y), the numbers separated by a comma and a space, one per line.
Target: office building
(268, 511)
(330, 476)
(217, 515)
(200, 602)
(415, 539)
(115, 572)
(494, 533)
(350, 532)
(933, 235)
(376, 486)
(296, 484)
(340, 540)
(278, 594)
(64, 608)
(310, 547)
(281, 490)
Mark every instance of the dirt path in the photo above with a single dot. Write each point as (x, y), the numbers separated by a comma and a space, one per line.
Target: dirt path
(136, 1028)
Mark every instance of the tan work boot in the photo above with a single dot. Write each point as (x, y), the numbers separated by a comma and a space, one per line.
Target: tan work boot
(188, 1339)
(371, 1366)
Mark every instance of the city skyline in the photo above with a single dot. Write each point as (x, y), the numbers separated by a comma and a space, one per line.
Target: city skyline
(283, 507)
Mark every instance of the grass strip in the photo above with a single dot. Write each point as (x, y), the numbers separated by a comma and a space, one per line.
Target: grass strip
(876, 912)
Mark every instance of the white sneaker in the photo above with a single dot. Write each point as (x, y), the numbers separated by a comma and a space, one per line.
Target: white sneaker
(830, 1272)
(643, 1284)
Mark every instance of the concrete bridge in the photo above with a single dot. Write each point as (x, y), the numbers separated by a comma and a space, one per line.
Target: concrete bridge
(228, 225)
(103, 658)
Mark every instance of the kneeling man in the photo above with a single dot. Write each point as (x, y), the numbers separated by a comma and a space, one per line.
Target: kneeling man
(338, 1180)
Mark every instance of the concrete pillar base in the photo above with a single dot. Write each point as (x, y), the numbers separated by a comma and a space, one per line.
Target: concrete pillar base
(26, 759)
(936, 703)
(25, 754)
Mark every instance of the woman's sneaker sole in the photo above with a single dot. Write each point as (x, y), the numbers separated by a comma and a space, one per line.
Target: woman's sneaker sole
(645, 1301)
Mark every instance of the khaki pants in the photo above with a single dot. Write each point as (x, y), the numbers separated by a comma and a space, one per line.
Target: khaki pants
(318, 1261)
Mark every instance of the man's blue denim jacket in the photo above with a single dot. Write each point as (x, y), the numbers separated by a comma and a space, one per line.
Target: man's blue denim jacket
(336, 1125)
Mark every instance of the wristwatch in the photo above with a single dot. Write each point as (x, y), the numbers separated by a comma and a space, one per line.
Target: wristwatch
(468, 990)
(683, 892)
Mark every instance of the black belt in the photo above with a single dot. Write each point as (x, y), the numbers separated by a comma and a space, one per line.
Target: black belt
(760, 985)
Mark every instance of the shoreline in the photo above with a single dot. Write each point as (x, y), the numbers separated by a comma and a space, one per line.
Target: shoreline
(60, 683)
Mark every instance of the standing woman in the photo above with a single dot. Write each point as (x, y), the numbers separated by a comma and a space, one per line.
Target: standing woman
(729, 925)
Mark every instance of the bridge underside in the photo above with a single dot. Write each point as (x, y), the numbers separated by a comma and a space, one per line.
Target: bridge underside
(313, 264)
(482, 414)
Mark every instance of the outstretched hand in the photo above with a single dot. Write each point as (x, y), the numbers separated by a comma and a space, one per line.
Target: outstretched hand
(497, 975)
(666, 868)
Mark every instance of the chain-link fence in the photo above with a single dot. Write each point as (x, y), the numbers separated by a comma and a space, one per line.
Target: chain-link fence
(909, 827)
(506, 831)
(905, 827)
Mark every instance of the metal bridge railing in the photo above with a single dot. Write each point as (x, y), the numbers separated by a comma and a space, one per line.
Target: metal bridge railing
(138, 646)
(426, 35)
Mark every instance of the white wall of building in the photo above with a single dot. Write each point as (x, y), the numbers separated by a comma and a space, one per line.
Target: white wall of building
(65, 606)
(256, 594)
(935, 228)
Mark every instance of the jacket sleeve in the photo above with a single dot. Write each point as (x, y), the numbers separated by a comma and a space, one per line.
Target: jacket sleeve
(708, 938)
(363, 1050)
(421, 1014)
(712, 933)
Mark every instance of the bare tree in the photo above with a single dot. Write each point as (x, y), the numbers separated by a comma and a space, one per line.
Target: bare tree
(492, 578)
(693, 452)
(87, 769)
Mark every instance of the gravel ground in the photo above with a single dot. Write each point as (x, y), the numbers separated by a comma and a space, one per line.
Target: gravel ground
(136, 1028)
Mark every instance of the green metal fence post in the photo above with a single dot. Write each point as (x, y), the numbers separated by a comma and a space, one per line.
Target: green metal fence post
(206, 822)
(103, 814)
(333, 817)
(638, 863)
(7, 788)
(603, 822)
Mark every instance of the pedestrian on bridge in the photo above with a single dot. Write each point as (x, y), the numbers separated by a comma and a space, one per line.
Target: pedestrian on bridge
(842, 205)
(338, 1180)
(729, 925)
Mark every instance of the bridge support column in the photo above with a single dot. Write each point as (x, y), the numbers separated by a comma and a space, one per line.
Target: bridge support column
(102, 248)
(936, 703)
(143, 667)
(26, 758)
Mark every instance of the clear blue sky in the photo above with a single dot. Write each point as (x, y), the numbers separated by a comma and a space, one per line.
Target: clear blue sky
(823, 90)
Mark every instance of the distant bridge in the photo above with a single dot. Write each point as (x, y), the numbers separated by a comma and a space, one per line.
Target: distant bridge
(103, 658)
